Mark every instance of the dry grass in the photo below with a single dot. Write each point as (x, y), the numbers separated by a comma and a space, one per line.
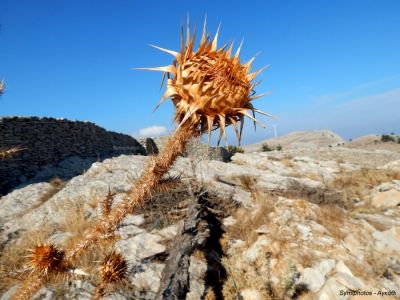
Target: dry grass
(309, 175)
(258, 276)
(359, 183)
(210, 295)
(248, 222)
(247, 182)
(332, 218)
(287, 162)
(165, 208)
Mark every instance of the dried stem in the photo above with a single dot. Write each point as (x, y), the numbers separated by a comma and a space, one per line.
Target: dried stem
(29, 287)
(156, 168)
(100, 291)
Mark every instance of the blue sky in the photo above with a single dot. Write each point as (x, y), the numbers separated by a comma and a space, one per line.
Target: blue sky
(334, 64)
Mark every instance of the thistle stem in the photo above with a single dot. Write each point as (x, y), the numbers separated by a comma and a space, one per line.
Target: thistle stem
(29, 287)
(157, 167)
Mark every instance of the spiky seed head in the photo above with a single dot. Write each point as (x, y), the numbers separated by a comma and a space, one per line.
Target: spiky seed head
(45, 258)
(106, 203)
(113, 268)
(209, 87)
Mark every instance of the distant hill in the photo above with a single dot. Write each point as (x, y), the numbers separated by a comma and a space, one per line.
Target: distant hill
(374, 142)
(300, 139)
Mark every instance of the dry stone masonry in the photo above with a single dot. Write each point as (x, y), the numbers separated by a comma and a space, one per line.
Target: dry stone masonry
(48, 142)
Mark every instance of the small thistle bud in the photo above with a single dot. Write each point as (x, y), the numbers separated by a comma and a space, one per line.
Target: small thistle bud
(113, 268)
(46, 258)
(106, 203)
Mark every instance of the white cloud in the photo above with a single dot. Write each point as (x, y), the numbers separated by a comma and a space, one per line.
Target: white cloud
(152, 131)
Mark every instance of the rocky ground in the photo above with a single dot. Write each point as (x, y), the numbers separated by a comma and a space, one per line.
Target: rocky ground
(300, 139)
(321, 224)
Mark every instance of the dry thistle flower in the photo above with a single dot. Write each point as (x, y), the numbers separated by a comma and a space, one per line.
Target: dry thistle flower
(209, 87)
(112, 270)
(45, 259)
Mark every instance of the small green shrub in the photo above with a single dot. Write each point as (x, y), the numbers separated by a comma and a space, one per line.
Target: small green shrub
(387, 138)
(235, 149)
(266, 148)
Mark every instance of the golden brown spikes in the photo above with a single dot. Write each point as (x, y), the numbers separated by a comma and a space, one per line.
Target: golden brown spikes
(204, 35)
(210, 122)
(215, 40)
(237, 53)
(263, 113)
(245, 113)
(29, 287)
(241, 128)
(222, 124)
(187, 31)
(46, 258)
(172, 52)
(229, 51)
(106, 203)
(168, 93)
(168, 69)
(253, 75)
(190, 112)
(113, 268)
(254, 122)
(259, 96)
(234, 123)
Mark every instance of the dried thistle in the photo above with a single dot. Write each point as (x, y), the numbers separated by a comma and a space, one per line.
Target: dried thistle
(113, 270)
(209, 87)
(45, 261)
(46, 258)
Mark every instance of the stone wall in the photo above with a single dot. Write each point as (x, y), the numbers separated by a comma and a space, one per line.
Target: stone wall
(194, 149)
(48, 142)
